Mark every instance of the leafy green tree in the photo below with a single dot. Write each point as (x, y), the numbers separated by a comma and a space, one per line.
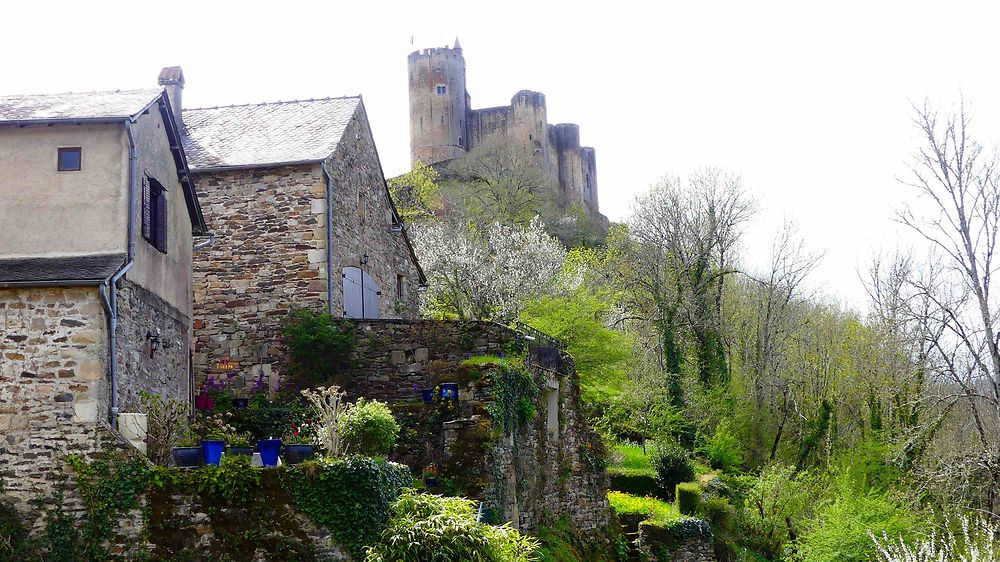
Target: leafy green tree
(416, 194)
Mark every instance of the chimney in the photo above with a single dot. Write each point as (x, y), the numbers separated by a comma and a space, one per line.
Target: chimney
(172, 80)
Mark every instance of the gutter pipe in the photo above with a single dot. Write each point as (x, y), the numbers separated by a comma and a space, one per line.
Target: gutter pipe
(329, 236)
(108, 290)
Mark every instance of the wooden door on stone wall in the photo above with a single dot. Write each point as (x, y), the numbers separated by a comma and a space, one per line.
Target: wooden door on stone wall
(361, 294)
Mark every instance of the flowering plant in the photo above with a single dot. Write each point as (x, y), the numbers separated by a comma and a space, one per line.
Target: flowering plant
(305, 433)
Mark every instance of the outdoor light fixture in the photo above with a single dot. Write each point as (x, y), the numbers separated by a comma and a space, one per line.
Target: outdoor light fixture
(154, 341)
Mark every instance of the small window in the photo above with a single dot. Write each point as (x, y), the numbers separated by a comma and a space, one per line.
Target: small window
(400, 287)
(70, 159)
(154, 213)
(441, 89)
(459, 141)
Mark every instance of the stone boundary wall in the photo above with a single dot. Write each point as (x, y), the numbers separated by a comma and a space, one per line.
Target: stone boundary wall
(557, 464)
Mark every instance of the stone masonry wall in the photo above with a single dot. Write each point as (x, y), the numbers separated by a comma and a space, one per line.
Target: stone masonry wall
(268, 256)
(165, 371)
(53, 386)
(551, 466)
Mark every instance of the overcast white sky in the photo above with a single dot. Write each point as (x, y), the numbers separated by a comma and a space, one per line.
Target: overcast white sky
(809, 101)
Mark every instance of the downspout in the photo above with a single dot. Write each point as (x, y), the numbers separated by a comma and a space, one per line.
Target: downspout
(329, 236)
(109, 295)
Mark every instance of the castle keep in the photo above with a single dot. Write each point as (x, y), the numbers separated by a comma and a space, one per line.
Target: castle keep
(443, 125)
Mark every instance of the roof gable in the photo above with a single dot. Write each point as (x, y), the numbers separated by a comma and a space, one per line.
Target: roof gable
(259, 135)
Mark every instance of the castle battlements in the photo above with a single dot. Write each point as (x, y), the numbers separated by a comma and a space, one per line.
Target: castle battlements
(443, 125)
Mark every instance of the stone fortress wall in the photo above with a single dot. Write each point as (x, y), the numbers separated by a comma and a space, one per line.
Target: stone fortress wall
(443, 125)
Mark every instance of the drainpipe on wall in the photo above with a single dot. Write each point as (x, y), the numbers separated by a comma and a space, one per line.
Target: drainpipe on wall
(109, 296)
(329, 236)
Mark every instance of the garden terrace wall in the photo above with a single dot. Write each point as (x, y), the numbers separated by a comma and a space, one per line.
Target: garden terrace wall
(552, 465)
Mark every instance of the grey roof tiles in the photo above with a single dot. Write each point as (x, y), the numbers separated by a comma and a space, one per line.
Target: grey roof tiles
(268, 133)
(67, 270)
(115, 105)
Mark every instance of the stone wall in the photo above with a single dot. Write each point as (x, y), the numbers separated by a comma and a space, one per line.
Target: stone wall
(53, 385)
(551, 466)
(165, 370)
(657, 543)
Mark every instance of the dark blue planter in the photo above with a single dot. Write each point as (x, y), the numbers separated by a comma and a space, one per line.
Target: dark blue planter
(449, 390)
(187, 456)
(246, 451)
(428, 395)
(295, 454)
(269, 449)
(241, 403)
(211, 451)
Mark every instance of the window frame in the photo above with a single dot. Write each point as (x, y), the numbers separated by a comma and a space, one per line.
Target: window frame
(155, 216)
(67, 150)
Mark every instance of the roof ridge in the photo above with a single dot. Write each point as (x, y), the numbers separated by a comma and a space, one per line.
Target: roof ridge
(264, 103)
(118, 91)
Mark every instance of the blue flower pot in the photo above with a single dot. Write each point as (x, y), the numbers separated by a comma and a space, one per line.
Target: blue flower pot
(269, 449)
(449, 390)
(297, 453)
(187, 456)
(427, 394)
(211, 451)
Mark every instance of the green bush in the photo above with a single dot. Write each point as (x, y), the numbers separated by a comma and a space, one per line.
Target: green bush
(14, 543)
(369, 428)
(672, 465)
(318, 345)
(772, 501)
(635, 482)
(718, 512)
(688, 497)
(723, 449)
(426, 527)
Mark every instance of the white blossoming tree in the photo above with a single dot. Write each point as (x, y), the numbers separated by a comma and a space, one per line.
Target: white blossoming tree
(486, 274)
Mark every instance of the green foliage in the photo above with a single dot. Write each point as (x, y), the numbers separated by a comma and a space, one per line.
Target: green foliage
(718, 512)
(416, 193)
(775, 503)
(514, 393)
(265, 420)
(840, 530)
(723, 450)
(673, 466)
(350, 496)
(817, 432)
(639, 483)
(578, 320)
(110, 487)
(688, 497)
(319, 346)
(369, 428)
(234, 480)
(167, 426)
(560, 542)
(651, 508)
(642, 410)
(425, 527)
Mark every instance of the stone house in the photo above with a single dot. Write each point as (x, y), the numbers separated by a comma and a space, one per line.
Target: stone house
(98, 213)
(271, 178)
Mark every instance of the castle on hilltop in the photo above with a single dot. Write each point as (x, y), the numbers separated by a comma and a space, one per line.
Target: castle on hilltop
(443, 125)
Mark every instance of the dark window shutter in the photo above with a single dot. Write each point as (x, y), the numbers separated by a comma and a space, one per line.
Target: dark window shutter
(161, 221)
(147, 215)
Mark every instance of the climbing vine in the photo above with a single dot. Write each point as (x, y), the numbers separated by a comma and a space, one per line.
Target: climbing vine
(351, 496)
(110, 487)
(514, 393)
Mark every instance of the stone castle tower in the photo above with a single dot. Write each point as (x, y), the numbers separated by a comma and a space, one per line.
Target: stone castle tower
(443, 125)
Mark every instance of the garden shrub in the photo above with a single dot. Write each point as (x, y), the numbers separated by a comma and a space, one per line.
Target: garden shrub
(772, 501)
(723, 449)
(718, 512)
(319, 346)
(369, 428)
(426, 527)
(635, 482)
(672, 465)
(688, 497)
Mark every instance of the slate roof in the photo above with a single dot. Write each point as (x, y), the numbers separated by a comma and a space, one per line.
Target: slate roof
(266, 134)
(62, 270)
(81, 106)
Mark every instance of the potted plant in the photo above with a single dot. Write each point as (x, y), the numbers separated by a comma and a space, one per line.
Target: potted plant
(427, 394)
(240, 443)
(269, 449)
(240, 399)
(187, 452)
(431, 475)
(298, 448)
(449, 390)
(212, 447)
